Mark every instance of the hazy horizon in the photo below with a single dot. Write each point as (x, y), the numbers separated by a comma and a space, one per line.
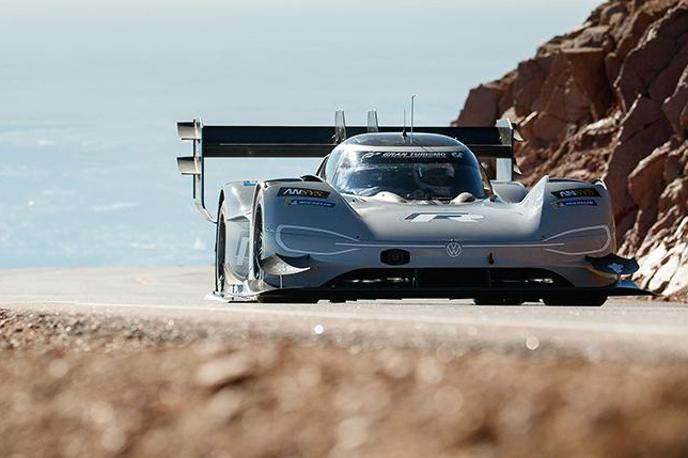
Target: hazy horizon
(91, 91)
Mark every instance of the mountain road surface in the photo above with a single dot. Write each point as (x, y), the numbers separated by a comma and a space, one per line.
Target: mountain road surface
(119, 362)
(624, 327)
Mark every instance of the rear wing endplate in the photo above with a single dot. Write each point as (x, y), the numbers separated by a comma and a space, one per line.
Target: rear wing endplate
(318, 141)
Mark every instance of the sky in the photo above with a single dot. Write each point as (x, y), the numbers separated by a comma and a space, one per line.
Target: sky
(90, 92)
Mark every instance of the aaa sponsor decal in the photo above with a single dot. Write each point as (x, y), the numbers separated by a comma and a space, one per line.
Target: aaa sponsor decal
(303, 192)
(310, 203)
(461, 217)
(575, 203)
(581, 192)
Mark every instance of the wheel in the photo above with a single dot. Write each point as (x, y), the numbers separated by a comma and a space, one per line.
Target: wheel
(588, 300)
(220, 236)
(497, 300)
(286, 299)
(257, 256)
(257, 247)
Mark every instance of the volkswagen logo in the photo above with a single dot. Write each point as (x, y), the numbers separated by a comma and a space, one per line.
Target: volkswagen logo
(453, 249)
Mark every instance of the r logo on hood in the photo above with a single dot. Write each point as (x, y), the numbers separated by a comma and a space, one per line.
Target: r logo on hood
(461, 217)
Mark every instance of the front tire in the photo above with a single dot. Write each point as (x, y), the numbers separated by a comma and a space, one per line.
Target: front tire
(257, 243)
(588, 300)
(497, 300)
(220, 242)
(287, 299)
(256, 257)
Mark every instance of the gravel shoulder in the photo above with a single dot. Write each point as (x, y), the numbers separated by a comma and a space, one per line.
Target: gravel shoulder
(77, 384)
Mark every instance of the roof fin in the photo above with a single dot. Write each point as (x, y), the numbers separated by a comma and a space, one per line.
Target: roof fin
(403, 132)
(339, 126)
(413, 109)
(505, 167)
(372, 121)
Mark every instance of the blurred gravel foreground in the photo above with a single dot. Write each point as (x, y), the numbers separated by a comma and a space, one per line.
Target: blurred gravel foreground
(100, 386)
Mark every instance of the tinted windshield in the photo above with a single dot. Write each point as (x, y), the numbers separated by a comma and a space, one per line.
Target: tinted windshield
(411, 175)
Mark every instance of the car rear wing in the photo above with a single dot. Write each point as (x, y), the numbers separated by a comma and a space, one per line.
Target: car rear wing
(318, 141)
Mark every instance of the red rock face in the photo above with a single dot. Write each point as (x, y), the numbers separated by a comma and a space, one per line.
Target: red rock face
(610, 100)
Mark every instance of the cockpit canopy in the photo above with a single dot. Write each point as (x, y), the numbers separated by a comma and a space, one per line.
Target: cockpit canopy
(430, 167)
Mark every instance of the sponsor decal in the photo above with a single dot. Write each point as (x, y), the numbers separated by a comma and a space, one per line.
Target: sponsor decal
(310, 202)
(413, 156)
(575, 203)
(461, 217)
(617, 268)
(453, 249)
(248, 183)
(303, 192)
(407, 155)
(580, 192)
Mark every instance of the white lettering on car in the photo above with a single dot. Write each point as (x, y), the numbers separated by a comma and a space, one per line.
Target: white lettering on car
(455, 216)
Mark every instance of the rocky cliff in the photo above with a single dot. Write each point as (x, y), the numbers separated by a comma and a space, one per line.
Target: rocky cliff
(610, 100)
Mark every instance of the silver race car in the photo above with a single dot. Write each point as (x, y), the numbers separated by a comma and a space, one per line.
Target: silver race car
(393, 213)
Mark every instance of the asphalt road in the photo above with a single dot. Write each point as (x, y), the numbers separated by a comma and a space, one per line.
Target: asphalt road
(624, 328)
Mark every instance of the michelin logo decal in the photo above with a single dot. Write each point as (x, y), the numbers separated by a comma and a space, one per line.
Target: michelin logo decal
(575, 203)
(310, 202)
